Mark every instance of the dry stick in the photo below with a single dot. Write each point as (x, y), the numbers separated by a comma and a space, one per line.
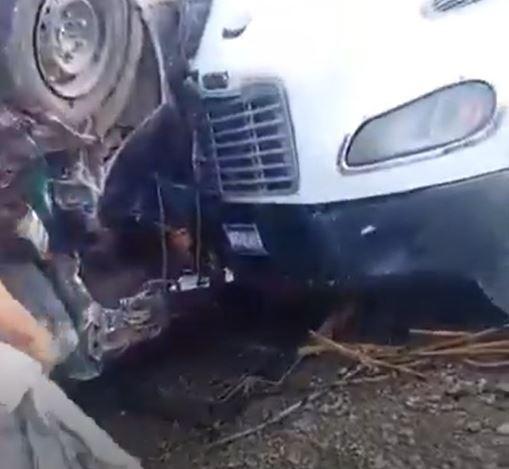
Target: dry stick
(438, 334)
(492, 344)
(312, 350)
(388, 350)
(276, 419)
(232, 392)
(486, 365)
(381, 351)
(481, 348)
(248, 380)
(463, 340)
(284, 413)
(364, 359)
(368, 379)
(463, 351)
(417, 363)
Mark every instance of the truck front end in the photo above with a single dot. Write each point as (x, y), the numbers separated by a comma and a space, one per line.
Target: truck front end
(345, 142)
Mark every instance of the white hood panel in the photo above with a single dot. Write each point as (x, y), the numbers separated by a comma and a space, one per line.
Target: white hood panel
(344, 61)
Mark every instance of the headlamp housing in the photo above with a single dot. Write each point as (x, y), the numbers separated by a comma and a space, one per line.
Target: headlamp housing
(434, 121)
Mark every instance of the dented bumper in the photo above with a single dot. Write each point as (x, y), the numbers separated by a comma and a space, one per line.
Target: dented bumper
(459, 229)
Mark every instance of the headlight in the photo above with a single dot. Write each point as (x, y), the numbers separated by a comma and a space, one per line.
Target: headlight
(436, 120)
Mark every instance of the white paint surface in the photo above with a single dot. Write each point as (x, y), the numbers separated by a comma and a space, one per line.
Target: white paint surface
(343, 61)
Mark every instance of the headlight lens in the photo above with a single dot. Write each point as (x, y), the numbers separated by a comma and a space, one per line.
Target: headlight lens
(444, 117)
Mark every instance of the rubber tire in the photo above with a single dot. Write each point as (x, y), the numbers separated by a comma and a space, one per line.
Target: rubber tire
(26, 88)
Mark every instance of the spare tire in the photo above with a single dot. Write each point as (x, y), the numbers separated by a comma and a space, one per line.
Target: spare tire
(75, 59)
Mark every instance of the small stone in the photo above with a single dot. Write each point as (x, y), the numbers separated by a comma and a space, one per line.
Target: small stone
(503, 429)
(457, 390)
(251, 462)
(342, 371)
(336, 405)
(482, 385)
(388, 434)
(455, 462)
(388, 427)
(413, 402)
(380, 462)
(352, 417)
(408, 433)
(477, 452)
(502, 388)
(447, 408)
(473, 427)
(489, 399)
(416, 462)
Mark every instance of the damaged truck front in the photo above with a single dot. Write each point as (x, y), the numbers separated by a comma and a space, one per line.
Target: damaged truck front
(351, 142)
(95, 144)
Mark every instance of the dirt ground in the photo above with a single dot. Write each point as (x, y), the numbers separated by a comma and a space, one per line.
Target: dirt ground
(455, 419)
(174, 411)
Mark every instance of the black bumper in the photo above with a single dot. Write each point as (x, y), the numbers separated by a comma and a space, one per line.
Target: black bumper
(459, 229)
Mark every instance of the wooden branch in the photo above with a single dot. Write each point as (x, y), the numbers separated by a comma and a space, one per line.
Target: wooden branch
(486, 365)
(438, 334)
(362, 358)
(462, 351)
(285, 412)
(469, 338)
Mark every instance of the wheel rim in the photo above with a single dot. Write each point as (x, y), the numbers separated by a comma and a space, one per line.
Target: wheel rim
(72, 45)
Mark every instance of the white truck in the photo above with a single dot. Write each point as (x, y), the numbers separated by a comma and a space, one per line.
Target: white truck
(345, 142)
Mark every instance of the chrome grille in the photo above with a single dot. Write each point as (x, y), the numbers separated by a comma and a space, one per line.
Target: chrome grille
(247, 141)
(446, 5)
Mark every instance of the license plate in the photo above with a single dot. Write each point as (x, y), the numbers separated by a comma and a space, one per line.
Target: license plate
(245, 239)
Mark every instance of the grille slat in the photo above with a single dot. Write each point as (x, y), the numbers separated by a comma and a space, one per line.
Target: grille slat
(253, 169)
(248, 143)
(237, 115)
(446, 5)
(247, 128)
(250, 182)
(251, 155)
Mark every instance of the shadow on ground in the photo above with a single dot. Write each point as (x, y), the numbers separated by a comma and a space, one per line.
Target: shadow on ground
(163, 401)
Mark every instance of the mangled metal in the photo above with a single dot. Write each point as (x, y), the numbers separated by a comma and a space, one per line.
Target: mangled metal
(85, 160)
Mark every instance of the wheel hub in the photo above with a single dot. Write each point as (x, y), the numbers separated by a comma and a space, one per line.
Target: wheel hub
(70, 46)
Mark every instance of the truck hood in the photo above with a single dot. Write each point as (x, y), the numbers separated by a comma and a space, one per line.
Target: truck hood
(366, 40)
(344, 61)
